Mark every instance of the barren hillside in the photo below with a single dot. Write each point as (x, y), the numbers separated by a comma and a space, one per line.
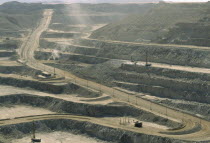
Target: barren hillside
(154, 24)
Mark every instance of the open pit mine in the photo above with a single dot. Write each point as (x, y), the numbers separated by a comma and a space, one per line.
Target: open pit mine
(104, 72)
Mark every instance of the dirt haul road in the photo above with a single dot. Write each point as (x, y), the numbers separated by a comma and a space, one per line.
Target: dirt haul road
(99, 121)
(27, 57)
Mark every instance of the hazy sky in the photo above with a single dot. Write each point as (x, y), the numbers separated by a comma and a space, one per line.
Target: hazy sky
(69, 1)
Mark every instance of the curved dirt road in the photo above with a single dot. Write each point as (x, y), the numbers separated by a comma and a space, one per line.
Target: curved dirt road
(99, 121)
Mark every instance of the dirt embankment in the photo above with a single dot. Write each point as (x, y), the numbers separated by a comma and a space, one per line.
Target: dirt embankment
(65, 47)
(176, 55)
(59, 35)
(6, 53)
(171, 73)
(63, 106)
(48, 87)
(165, 87)
(56, 89)
(195, 108)
(8, 46)
(73, 57)
(165, 82)
(157, 53)
(19, 70)
(80, 127)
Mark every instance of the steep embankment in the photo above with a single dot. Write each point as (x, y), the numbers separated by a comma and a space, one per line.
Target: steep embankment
(82, 127)
(159, 53)
(54, 88)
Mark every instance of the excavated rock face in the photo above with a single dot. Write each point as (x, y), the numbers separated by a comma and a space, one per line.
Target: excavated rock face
(47, 87)
(62, 106)
(7, 54)
(32, 84)
(80, 127)
(157, 53)
(73, 57)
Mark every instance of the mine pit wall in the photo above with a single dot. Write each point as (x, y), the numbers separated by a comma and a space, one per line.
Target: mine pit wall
(153, 90)
(179, 85)
(63, 106)
(163, 87)
(11, 69)
(59, 35)
(6, 54)
(81, 50)
(171, 73)
(47, 44)
(31, 84)
(201, 109)
(68, 48)
(66, 57)
(163, 92)
(7, 46)
(82, 127)
(46, 87)
(159, 54)
(20, 70)
(15, 34)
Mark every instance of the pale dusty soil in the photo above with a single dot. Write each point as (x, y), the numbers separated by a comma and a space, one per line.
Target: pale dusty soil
(149, 97)
(60, 41)
(20, 111)
(174, 67)
(63, 42)
(129, 122)
(8, 90)
(3, 62)
(78, 25)
(97, 26)
(93, 14)
(5, 51)
(4, 58)
(58, 31)
(60, 137)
